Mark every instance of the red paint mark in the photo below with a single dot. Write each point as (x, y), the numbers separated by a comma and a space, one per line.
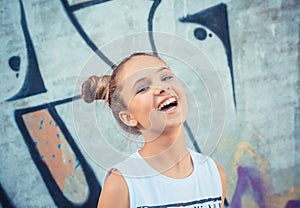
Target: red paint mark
(51, 145)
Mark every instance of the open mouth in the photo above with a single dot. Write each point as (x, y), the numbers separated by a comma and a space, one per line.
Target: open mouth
(167, 105)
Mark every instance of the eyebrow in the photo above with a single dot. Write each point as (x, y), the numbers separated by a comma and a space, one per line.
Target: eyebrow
(144, 78)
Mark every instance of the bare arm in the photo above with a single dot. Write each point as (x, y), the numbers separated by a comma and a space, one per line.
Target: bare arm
(223, 181)
(115, 192)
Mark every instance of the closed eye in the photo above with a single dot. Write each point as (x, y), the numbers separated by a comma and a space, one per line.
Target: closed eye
(167, 77)
(142, 89)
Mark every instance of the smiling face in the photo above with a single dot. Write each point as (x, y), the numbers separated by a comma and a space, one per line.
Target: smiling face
(154, 97)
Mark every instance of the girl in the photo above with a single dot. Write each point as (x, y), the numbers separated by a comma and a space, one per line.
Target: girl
(146, 98)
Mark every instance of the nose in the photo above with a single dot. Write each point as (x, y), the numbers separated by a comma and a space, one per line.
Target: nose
(160, 90)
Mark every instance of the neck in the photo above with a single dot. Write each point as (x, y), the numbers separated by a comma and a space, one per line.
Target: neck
(167, 151)
(167, 142)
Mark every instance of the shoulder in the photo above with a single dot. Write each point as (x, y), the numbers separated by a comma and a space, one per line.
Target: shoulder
(221, 170)
(204, 158)
(115, 187)
(115, 181)
(223, 181)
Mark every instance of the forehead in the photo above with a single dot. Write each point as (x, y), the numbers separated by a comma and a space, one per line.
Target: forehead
(137, 66)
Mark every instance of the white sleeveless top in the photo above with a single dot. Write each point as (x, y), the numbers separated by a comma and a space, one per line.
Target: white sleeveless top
(150, 189)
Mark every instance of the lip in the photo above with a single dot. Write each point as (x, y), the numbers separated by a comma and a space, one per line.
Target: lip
(165, 99)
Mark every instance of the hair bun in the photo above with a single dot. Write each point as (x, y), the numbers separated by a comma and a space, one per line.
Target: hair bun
(96, 88)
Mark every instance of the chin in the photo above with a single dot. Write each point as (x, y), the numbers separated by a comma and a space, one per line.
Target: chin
(171, 124)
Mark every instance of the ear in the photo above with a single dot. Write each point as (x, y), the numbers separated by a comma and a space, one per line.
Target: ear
(127, 119)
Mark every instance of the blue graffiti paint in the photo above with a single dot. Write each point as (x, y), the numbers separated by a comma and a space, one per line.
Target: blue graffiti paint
(41, 124)
(53, 156)
(59, 146)
(77, 165)
(57, 135)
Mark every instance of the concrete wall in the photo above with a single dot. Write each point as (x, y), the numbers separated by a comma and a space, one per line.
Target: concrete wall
(55, 149)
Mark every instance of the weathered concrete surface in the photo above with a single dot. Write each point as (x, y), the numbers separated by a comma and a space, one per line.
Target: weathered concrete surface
(259, 147)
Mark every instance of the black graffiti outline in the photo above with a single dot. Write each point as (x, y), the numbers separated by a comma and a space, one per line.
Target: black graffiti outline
(29, 86)
(69, 10)
(80, 30)
(153, 9)
(150, 24)
(4, 199)
(86, 4)
(215, 18)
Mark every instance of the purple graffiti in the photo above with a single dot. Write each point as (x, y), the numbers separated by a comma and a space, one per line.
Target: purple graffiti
(293, 204)
(249, 179)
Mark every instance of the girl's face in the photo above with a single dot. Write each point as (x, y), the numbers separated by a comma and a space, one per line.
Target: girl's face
(154, 96)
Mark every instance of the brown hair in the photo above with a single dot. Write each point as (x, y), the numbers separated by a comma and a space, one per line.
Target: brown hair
(108, 89)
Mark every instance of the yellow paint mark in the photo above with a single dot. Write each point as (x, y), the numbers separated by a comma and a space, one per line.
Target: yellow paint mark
(246, 155)
(248, 201)
(274, 200)
(243, 155)
(246, 150)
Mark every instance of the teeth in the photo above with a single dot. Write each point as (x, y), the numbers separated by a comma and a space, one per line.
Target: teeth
(167, 102)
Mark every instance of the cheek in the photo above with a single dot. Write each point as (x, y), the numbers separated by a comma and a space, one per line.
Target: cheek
(179, 89)
(181, 93)
(141, 105)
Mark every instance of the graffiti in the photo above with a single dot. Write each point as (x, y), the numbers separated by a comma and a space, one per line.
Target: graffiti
(67, 174)
(64, 169)
(253, 181)
(249, 178)
(150, 24)
(214, 18)
(69, 178)
(83, 5)
(69, 10)
(4, 199)
(292, 204)
(33, 83)
(14, 63)
(191, 136)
